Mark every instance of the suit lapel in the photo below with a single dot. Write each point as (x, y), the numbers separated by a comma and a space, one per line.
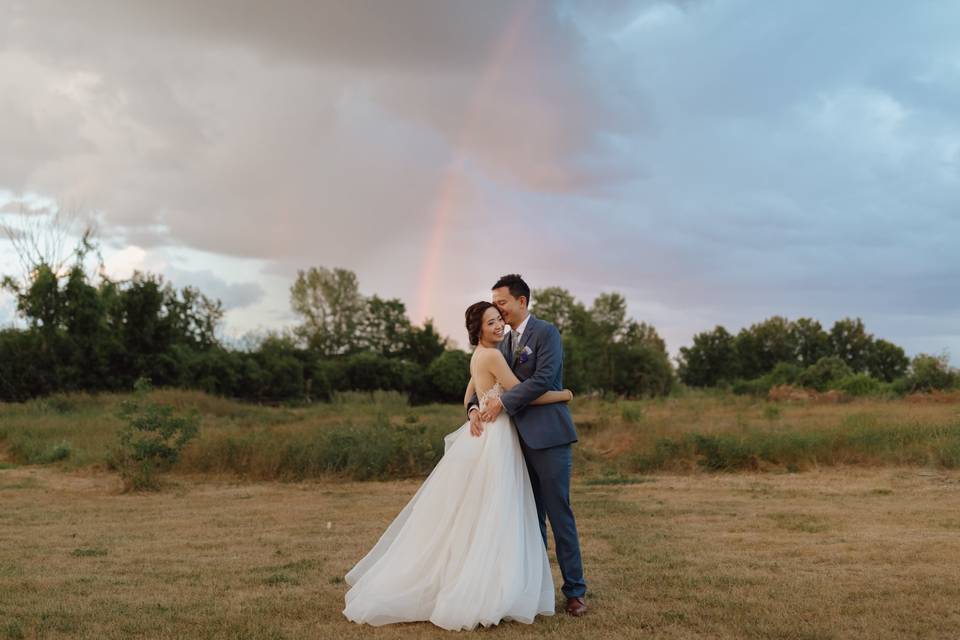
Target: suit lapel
(529, 331)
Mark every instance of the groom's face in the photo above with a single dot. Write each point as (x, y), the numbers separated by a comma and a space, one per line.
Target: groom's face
(512, 310)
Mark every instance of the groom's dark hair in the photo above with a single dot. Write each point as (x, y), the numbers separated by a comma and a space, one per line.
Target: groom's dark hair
(515, 284)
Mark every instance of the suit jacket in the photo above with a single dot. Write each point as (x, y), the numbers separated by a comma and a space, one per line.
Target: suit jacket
(539, 370)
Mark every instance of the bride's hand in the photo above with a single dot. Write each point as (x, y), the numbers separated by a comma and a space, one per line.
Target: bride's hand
(570, 394)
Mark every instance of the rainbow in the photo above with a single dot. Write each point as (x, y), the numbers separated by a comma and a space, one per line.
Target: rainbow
(451, 183)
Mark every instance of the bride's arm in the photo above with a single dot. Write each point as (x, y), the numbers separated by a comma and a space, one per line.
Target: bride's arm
(501, 371)
(549, 397)
(468, 396)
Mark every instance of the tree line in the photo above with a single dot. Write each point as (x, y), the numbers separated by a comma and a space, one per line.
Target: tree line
(87, 332)
(801, 352)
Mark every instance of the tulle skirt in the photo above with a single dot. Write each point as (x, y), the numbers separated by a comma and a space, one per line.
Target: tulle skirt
(466, 550)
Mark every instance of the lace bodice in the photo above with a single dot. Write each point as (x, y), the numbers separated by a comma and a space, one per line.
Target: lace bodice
(493, 392)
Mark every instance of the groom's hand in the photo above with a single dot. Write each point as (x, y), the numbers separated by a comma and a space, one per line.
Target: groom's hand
(494, 407)
(476, 426)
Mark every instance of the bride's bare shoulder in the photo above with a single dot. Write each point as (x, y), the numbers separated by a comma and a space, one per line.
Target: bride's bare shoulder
(487, 355)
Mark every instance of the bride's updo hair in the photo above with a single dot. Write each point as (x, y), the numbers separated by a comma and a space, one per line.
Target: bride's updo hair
(474, 316)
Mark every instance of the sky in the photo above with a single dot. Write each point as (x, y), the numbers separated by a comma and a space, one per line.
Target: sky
(715, 161)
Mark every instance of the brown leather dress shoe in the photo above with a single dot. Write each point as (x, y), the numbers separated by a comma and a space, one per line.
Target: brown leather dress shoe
(576, 607)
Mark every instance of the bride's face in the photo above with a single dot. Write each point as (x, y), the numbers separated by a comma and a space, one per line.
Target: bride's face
(491, 330)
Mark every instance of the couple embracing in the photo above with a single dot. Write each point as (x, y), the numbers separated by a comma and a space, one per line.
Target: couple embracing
(470, 547)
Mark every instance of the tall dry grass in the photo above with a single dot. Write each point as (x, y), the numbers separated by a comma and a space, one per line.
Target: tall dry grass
(380, 435)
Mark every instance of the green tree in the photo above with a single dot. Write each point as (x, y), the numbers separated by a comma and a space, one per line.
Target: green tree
(449, 374)
(385, 328)
(763, 345)
(930, 373)
(824, 373)
(851, 343)
(424, 344)
(330, 307)
(609, 314)
(710, 360)
(555, 305)
(810, 340)
(886, 361)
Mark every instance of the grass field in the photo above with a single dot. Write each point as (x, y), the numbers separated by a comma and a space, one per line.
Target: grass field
(841, 521)
(839, 553)
(380, 436)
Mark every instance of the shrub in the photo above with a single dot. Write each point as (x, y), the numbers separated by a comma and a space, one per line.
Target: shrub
(757, 387)
(449, 374)
(784, 373)
(724, 452)
(928, 373)
(824, 373)
(27, 448)
(859, 384)
(151, 439)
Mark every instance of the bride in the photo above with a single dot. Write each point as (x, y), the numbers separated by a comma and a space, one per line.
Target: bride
(467, 548)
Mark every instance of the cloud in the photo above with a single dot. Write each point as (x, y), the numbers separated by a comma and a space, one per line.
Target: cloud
(715, 161)
(233, 295)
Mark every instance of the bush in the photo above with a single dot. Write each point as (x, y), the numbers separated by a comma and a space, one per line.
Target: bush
(757, 387)
(825, 372)
(859, 384)
(363, 452)
(151, 439)
(783, 373)
(449, 375)
(370, 371)
(27, 448)
(929, 373)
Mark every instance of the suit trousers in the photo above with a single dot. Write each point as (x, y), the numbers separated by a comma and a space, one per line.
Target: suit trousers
(550, 471)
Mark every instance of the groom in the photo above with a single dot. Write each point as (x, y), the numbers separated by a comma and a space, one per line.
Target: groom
(535, 354)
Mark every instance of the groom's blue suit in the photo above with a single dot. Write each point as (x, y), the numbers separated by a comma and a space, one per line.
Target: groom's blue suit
(546, 433)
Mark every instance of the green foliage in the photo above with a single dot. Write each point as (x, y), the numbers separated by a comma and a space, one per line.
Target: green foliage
(27, 448)
(772, 412)
(851, 343)
(384, 328)
(765, 344)
(824, 373)
(710, 361)
(449, 374)
(810, 341)
(758, 387)
(363, 452)
(86, 336)
(557, 306)
(723, 452)
(152, 438)
(756, 357)
(783, 373)
(604, 350)
(859, 384)
(931, 373)
(424, 344)
(331, 308)
(862, 440)
(886, 361)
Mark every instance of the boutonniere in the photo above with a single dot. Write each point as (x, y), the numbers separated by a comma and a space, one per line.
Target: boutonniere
(525, 354)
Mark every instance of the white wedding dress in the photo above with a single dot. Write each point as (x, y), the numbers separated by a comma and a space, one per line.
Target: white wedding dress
(466, 550)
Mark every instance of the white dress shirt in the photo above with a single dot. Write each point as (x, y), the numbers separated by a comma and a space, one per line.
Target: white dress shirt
(519, 331)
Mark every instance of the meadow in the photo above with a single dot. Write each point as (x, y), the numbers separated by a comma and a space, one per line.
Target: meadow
(380, 435)
(702, 516)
